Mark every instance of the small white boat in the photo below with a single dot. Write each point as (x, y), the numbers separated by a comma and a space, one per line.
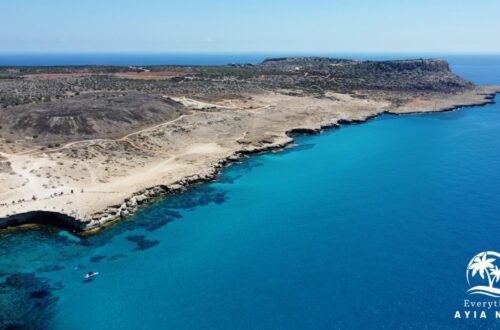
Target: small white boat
(91, 274)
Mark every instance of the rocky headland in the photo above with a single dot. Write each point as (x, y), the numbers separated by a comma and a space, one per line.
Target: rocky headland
(81, 147)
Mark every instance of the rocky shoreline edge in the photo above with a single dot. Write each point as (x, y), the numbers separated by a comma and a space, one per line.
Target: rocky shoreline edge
(145, 197)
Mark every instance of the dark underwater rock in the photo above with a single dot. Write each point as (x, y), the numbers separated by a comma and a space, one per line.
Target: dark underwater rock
(141, 242)
(136, 238)
(26, 302)
(39, 294)
(200, 196)
(97, 258)
(50, 268)
(145, 244)
(155, 224)
(117, 256)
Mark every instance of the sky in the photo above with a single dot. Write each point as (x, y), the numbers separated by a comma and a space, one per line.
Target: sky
(228, 26)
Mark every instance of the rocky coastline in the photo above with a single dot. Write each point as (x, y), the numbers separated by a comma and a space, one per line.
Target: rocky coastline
(142, 198)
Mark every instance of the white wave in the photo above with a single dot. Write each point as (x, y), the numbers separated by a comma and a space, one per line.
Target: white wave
(485, 290)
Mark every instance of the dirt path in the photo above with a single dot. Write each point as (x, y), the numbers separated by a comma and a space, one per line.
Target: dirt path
(123, 138)
(35, 151)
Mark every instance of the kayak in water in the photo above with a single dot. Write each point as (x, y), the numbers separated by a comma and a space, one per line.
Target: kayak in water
(91, 274)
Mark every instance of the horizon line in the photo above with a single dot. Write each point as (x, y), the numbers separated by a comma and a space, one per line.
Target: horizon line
(310, 53)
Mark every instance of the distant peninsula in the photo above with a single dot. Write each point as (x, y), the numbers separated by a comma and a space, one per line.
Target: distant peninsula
(83, 146)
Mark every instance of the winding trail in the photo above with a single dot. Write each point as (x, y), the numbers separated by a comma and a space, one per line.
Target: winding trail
(124, 138)
(36, 151)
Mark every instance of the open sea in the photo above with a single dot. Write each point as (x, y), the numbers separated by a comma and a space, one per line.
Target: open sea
(365, 226)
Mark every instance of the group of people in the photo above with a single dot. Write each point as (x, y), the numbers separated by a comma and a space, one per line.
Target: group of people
(14, 202)
(34, 198)
(56, 194)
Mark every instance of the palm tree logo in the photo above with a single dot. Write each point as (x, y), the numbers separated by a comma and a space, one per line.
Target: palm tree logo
(496, 274)
(483, 268)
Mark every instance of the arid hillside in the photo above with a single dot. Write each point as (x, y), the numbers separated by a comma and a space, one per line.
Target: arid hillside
(88, 116)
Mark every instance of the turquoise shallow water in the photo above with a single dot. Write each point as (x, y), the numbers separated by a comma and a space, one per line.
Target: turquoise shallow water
(369, 225)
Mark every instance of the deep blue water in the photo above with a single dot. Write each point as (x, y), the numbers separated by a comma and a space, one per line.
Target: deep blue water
(6, 59)
(366, 226)
(129, 59)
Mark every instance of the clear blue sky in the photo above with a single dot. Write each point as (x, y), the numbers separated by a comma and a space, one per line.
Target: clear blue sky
(250, 26)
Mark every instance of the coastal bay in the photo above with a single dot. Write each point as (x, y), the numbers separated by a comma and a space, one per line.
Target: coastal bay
(251, 165)
(353, 237)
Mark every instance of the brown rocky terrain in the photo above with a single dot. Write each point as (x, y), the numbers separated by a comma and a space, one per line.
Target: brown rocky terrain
(87, 116)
